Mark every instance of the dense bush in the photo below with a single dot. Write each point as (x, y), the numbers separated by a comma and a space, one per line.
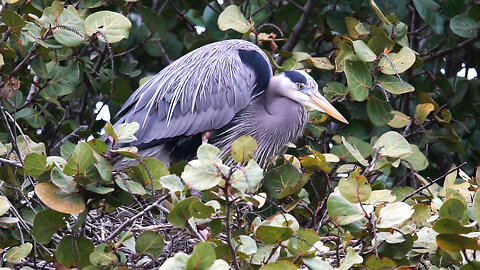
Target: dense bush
(396, 188)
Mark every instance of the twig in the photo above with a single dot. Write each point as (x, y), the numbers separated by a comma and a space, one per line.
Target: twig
(434, 181)
(12, 138)
(450, 50)
(66, 138)
(300, 26)
(11, 162)
(132, 219)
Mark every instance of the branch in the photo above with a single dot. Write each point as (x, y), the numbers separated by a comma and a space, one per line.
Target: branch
(448, 51)
(132, 219)
(11, 162)
(68, 137)
(300, 26)
(434, 181)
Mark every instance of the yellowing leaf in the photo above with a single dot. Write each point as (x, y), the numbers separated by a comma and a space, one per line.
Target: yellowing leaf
(232, 18)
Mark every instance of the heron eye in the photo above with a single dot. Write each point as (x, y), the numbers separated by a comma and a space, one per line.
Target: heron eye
(300, 86)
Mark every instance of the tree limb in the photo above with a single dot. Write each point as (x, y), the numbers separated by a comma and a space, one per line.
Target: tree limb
(448, 51)
(300, 26)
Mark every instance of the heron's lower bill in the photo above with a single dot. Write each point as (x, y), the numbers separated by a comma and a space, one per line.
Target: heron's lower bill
(325, 106)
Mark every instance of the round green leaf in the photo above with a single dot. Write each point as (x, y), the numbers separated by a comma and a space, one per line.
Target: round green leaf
(359, 79)
(134, 187)
(35, 164)
(363, 51)
(243, 148)
(125, 132)
(32, 116)
(100, 257)
(232, 18)
(305, 241)
(399, 120)
(394, 214)
(354, 152)
(12, 19)
(393, 85)
(342, 211)
(59, 199)
(273, 234)
(452, 208)
(248, 177)
(247, 245)
(70, 248)
(375, 263)
(200, 210)
(15, 254)
(456, 242)
(355, 188)
(316, 263)
(46, 223)
(81, 159)
(200, 177)
(62, 180)
(4, 205)
(321, 63)
(150, 242)
(181, 212)
(416, 160)
(202, 257)
(464, 26)
(72, 34)
(114, 25)
(283, 265)
(351, 259)
(392, 144)
(450, 225)
(402, 61)
(378, 111)
(207, 154)
(61, 80)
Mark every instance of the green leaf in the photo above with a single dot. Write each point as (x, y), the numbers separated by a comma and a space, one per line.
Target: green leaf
(59, 199)
(452, 208)
(351, 259)
(476, 203)
(273, 234)
(232, 18)
(153, 21)
(335, 88)
(247, 245)
(110, 131)
(131, 186)
(125, 132)
(200, 210)
(12, 19)
(81, 159)
(32, 116)
(393, 85)
(399, 119)
(15, 254)
(415, 160)
(113, 25)
(303, 243)
(374, 263)
(378, 111)
(355, 188)
(207, 154)
(450, 225)
(61, 80)
(284, 265)
(358, 78)
(27, 145)
(394, 214)
(4, 205)
(150, 242)
(62, 180)
(243, 149)
(200, 177)
(46, 223)
(35, 164)
(71, 249)
(316, 263)
(455, 242)
(451, 7)
(402, 61)
(100, 256)
(363, 51)
(379, 12)
(342, 211)
(248, 177)
(464, 26)
(320, 62)
(423, 110)
(181, 212)
(65, 35)
(202, 257)
(392, 144)
(429, 11)
(354, 152)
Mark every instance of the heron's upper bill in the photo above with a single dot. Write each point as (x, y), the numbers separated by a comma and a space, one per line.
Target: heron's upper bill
(320, 103)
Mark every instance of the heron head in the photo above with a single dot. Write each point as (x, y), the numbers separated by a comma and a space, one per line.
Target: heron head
(302, 88)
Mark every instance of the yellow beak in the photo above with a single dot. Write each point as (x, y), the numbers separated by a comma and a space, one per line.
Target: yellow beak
(320, 103)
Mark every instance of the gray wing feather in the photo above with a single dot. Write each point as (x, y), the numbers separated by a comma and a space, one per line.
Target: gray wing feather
(200, 91)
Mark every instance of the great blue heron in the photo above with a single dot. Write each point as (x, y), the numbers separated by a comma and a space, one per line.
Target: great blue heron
(220, 92)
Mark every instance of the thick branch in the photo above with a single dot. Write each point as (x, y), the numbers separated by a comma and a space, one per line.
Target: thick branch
(300, 26)
(448, 51)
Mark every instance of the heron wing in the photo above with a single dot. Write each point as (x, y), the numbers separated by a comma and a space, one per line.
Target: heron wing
(200, 91)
